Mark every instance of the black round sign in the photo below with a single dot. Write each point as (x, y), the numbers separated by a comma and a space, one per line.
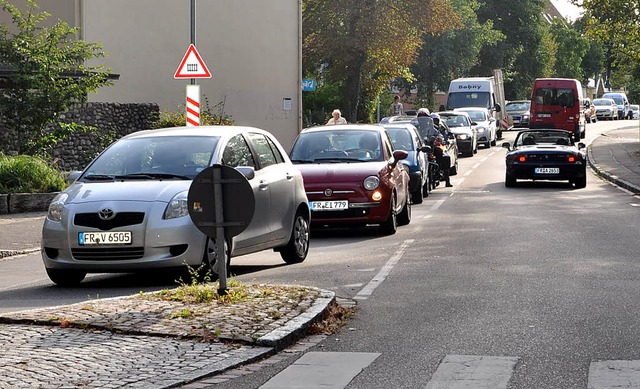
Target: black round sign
(238, 201)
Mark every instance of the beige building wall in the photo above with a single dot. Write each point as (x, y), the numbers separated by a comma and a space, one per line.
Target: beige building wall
(252, 48)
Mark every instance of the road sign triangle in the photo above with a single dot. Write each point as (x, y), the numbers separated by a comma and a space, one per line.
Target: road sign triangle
(192, 65)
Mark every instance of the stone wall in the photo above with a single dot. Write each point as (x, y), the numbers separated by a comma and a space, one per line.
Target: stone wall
(112, 120)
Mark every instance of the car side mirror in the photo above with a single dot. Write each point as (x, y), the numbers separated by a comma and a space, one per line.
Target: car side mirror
(581, 145)
(507, 145)
(498, 107)
(73, 176)
(398, 155)
(247, 171)
(426, 149)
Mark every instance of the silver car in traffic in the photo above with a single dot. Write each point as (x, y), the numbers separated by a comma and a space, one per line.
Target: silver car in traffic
(127, 211)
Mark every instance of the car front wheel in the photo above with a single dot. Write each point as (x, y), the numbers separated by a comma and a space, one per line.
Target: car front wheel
(211, 256)
(296, 250)
(66, 277)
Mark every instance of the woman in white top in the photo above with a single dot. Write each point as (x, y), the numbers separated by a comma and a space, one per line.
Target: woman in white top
(337, 118)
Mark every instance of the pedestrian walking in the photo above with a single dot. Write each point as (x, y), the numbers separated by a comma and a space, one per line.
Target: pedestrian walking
(396, 107)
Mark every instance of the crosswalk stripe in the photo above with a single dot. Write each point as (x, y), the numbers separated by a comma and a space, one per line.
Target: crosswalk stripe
(473, 371)
(319, 370)
(614, 374)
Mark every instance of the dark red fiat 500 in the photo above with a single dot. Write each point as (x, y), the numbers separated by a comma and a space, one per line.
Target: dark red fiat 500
(352, 175)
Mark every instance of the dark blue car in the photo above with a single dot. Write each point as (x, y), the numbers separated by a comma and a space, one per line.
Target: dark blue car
(404, 136)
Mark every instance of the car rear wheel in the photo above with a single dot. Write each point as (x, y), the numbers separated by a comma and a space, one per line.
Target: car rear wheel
(454, 169)
(390, 226)
(296, 250)
(509, 181)
(581, 182)
(66, 277)
(404, 217)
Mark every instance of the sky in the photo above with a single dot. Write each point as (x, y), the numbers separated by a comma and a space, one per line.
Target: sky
(567, 9)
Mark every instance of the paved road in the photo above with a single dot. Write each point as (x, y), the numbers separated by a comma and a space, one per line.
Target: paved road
(40, 355)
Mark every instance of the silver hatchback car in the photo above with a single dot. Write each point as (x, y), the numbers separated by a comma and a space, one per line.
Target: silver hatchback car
(127, 211)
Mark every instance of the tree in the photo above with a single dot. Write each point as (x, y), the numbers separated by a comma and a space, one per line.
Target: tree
(50, 76)
(520, 54)
(361, 45)
(453, 53)
(572, 48)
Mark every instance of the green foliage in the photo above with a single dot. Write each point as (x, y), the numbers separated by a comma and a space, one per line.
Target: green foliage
(318, 105)
(28, 174)
(207, 116)
(363, 44)
(522, 23)
(572, 48)
(50, 75)
(453, 53)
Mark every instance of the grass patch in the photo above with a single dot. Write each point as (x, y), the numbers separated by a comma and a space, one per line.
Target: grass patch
(28, 174)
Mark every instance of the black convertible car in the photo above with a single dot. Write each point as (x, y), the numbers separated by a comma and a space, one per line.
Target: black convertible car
(542, 154)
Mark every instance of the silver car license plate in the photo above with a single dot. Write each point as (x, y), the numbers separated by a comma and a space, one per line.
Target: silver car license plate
(104, 238)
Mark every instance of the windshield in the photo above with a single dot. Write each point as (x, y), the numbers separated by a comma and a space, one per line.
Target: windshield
(524, 106)
(563, 97)
(469, 99)
(478, 116)
(602, 102)
(401, 138)
(153, 157)
(337, 146)
(455, 120)
(617, 98)
(543, 137)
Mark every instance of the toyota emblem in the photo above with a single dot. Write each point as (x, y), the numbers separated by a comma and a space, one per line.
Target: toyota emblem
(328, 192)
(106, 214)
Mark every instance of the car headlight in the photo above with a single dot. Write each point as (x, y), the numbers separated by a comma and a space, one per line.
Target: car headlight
(56, 207)
(462, 136)
(177, 207)
(371, 182)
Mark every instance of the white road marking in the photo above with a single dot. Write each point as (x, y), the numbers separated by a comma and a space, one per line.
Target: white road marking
(614, 374)
(473, 371)
(318, 370)
(365, 292)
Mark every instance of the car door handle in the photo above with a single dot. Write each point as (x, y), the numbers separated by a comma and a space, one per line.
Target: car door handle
(264, 185)
(289, 177)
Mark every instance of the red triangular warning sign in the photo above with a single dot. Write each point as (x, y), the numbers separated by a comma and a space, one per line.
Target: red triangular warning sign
(192, 65)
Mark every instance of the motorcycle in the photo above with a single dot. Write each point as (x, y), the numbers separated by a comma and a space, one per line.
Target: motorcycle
(436, 157)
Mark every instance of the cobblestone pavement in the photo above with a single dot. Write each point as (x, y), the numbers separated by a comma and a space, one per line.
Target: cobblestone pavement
(149, 341)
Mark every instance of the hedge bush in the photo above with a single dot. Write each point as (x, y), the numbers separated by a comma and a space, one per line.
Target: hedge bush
(27, 174)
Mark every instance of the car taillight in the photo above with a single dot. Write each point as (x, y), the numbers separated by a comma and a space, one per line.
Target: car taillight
(572, 158)
(521, 158)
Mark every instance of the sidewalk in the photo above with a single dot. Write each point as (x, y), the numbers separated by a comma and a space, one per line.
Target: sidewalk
(615, 156)
(142, 342)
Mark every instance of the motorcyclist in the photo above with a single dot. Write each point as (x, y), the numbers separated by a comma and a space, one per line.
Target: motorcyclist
(442, 157)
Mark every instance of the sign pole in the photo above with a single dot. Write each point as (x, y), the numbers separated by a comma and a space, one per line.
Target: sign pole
(193, 29)
(221, 253)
